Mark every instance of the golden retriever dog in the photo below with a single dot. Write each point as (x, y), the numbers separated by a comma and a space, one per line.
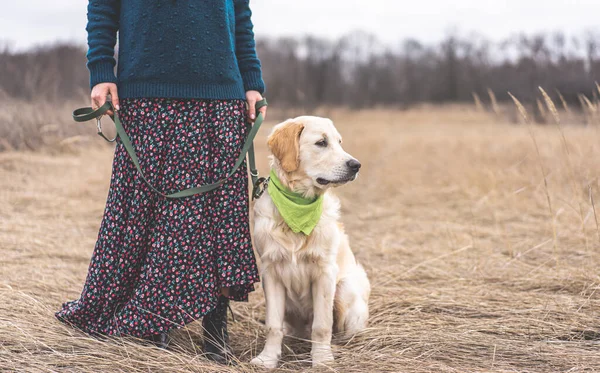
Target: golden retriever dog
(313, 285)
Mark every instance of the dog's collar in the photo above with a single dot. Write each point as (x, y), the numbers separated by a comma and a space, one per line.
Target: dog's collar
(301, 214)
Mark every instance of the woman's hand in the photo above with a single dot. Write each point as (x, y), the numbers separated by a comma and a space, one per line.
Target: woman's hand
(100, 94)
(253, 97)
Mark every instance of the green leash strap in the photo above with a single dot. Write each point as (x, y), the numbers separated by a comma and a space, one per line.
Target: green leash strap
(85, 114)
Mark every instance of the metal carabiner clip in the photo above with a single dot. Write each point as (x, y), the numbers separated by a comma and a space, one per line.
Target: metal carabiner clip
(99, 127)
(259, 188)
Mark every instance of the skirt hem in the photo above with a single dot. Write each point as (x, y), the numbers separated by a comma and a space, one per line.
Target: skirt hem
(187, 319)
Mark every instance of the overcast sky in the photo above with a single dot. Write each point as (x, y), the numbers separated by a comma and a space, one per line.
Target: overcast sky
(29, 22)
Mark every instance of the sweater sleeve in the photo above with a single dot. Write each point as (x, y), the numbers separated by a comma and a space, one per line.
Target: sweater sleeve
(245, 47)
(102, 27)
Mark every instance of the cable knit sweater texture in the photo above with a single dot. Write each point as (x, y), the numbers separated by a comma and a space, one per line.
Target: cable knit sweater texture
(202, 49)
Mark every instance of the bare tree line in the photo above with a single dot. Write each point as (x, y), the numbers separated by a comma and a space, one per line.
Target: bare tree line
(359, 71)
(51, 73)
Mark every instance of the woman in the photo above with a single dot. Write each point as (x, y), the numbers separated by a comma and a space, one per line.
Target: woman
(186, 71)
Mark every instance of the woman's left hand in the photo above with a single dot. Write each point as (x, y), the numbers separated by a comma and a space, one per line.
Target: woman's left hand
(253, 97)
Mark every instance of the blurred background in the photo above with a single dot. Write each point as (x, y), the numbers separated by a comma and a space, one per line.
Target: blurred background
(350, 53)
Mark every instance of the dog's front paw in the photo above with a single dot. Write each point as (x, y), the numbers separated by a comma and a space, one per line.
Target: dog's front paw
(265, 361)
(321, 356)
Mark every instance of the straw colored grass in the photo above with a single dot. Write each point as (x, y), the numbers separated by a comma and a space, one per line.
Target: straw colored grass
(29, 126)
(478, 104)
(493, 102)
(449, 216)
(563, 102)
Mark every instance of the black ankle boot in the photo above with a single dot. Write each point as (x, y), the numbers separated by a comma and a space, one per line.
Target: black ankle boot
(160, 340)
(216, 338)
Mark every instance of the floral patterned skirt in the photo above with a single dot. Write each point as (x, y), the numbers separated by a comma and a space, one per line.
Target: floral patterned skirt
(160, 263)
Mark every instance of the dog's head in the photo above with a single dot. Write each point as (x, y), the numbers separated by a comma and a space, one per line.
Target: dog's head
(308, 151)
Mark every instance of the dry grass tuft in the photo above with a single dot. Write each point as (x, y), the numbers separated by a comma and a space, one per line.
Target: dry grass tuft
(478, 104)
(29, 126)
(551, 107)
(576, 191)
(449, 216)
(494, 102)
(588, 108)
(563, 102)
(591, 107)
(523, 112)
(541, 109)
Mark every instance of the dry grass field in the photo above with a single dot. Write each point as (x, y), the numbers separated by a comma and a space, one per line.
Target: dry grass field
(472, 269)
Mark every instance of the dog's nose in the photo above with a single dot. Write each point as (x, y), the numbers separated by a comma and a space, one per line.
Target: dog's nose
(354, 165)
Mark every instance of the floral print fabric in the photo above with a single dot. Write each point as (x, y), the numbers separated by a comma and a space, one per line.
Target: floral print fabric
(160, 263)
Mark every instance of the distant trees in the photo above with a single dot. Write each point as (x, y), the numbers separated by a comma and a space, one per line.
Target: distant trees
(51, 73)
(360, 71)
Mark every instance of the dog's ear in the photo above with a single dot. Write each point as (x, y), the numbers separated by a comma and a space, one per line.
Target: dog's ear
(284, 143)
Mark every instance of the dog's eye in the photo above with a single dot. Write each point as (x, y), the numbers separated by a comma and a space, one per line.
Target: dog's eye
(322, 143)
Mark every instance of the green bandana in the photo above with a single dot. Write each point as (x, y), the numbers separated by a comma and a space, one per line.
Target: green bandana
(299, 213)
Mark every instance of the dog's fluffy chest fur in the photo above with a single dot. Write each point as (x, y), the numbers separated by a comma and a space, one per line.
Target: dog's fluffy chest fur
(294, 258)
(296, 277)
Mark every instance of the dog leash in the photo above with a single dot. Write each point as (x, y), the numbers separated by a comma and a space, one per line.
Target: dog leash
(258, 184)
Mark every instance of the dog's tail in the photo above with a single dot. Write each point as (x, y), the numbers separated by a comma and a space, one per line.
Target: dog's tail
(351, 305)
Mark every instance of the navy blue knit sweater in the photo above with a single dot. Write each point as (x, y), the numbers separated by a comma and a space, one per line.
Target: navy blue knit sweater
(174, 48)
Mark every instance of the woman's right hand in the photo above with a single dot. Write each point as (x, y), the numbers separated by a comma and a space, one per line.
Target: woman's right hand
(100, 94)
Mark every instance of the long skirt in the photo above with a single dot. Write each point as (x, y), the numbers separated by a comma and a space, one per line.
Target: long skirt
(159, 263)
